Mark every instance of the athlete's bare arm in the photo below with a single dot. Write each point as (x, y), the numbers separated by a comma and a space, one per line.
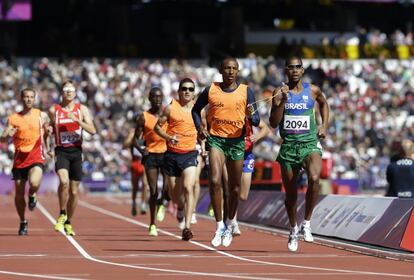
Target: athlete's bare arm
(278, 105)
(46, 129)
(161, 121)
(263, 132)
(85, 121)
(9, 131)
(324, 110)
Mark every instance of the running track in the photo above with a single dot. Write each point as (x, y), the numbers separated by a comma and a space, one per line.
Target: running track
(110, 244)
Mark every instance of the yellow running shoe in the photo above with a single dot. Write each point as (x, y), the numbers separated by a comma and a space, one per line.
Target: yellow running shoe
(59, 226)
(161, 213)
(69, 230)
(210, 211)
(153, 230)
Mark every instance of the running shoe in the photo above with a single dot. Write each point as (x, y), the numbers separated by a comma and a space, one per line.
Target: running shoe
(161, 213)
(235, 230)
(210, 211)
(193, 219)
(293, 241)
(23, 228)
(181, 225)
(187, 234)
(69, 230)
(152, 231)
(216, 241)
(181, 219)
(143, 208)
(59, 226)
(32, 202)
(227, 237)
(134, 209)
(306, 231)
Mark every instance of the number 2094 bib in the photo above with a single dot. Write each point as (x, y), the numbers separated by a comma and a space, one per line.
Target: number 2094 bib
(296, 124)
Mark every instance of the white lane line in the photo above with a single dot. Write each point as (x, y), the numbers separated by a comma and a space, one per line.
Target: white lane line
(120, 217)
(42, 276)
(22, 255)
(89, 257)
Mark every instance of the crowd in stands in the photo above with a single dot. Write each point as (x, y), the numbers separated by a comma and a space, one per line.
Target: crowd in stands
(372, 105)
(364, 43)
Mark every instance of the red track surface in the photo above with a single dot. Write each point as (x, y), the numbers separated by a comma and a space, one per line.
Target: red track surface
(110, 244)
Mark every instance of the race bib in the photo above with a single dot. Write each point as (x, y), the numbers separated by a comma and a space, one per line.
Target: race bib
(70, 137)
(296, 124)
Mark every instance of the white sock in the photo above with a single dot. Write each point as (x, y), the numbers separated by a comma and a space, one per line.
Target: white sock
(294, 229)
(220, 225)
(231, 222)
(306, 223)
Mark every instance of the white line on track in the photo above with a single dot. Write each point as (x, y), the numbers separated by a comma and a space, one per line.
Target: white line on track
(22, 255)
(120, 217)
(89, 257)
(42, 276)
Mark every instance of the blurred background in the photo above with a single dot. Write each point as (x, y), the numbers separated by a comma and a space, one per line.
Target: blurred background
(359, 53)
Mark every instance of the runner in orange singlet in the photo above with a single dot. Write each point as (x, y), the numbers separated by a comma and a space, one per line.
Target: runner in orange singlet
(153, 153)
(181, 157)
(27, 129)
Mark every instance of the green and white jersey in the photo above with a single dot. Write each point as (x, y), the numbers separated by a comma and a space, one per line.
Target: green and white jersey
(298, 122)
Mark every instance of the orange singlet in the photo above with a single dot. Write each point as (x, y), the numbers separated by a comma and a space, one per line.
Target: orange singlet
(227, 111)
(28, 138)
(182, 125)
(154, 142)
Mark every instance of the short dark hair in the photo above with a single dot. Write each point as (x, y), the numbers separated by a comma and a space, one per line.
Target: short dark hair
(154, 90)
(226, 59)
(27, 89)
(293, 57)
(185, 80)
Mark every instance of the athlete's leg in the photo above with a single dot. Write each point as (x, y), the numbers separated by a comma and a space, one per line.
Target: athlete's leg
(152, 176)
(188, 179)
(144, 193)
(73, 198)
(19, 200)
(217, 160)
(225, 193)
(313, 167)
(289, 177)
(134, 186)
(234, 170)
(35, 177)
(196, 189)
(63, 189)
(245, 185)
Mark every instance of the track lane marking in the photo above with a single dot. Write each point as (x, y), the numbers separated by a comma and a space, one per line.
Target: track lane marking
(184, 272)
(121, 217)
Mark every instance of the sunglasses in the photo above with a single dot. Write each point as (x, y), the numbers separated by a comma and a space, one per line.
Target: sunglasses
(294, 66)
(187, 88)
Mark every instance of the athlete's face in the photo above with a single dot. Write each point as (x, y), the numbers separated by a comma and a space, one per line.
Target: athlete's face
(186, 91)
(68, 92)
(28, 99)
(156, 98)
(294, 70)
(229, 70)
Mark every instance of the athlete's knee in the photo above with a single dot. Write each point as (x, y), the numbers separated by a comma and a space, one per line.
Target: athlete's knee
(235, 190)
(215, 181)
(243, 196)
(74, 191)
(313, 178)
(64, 184)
